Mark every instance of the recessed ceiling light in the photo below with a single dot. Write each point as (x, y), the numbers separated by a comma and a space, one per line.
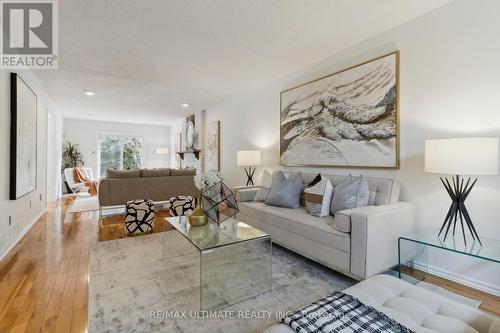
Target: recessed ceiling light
(89, 92)
(185, 105)
(92, 114)
(158, 121)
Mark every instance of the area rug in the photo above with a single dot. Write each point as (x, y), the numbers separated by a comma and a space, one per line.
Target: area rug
(151, 284)
(85, 204)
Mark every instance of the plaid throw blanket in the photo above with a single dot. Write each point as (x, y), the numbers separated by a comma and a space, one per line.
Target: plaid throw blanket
(341, 313)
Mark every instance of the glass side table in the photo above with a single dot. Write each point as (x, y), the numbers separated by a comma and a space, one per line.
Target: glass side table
(235, 260)
(413, 251)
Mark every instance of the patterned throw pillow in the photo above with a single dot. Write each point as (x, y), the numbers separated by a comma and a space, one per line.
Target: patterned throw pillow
(319, 197)
(350, 193)
(316, 180)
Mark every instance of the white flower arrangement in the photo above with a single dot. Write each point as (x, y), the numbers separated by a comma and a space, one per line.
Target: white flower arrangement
(205, 180)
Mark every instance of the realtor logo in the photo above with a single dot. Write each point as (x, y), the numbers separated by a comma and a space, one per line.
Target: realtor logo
(29, 34)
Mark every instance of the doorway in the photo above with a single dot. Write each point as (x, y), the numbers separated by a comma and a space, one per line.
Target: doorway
(51, 159)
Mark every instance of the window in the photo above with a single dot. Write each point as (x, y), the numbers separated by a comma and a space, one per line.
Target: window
(119, 152)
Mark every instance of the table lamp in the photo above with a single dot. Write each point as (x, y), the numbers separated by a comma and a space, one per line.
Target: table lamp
(461, 157)
(249, 158)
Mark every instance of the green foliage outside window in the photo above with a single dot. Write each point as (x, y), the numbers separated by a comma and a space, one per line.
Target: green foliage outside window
(120, 152)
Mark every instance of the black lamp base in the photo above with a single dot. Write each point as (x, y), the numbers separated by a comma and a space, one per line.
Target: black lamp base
(250, 172)
(458, 193)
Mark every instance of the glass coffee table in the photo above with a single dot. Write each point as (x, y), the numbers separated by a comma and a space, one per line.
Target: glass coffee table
(235, 260)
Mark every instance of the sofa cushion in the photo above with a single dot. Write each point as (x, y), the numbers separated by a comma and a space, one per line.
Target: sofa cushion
(182, 172)
(298, 221)
(162, 172)
(124, 173)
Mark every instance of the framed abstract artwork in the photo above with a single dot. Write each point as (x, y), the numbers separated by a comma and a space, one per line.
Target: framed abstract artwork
(346, 119)
(212, 147)
(23, 138)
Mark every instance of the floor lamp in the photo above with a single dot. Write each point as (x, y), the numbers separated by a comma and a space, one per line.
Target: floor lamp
(459, 157)
(249, 159)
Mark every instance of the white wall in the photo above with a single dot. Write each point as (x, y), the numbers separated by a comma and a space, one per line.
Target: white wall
(26, 210)
(51, 162)
(175, 130)
(86, 132)
(450, 81)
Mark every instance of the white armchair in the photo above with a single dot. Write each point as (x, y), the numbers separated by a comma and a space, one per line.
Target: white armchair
(77, 187)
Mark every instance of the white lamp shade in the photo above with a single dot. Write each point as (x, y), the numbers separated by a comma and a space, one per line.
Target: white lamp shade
(248, 158)
(161, 151)
(462, 156)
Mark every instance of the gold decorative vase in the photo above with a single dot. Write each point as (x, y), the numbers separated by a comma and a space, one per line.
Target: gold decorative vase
(198, 216)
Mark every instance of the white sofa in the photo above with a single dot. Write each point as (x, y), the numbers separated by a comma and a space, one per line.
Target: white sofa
(416, 308)
(359, 242)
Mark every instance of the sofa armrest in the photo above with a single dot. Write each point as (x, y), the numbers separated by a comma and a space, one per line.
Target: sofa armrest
(374, 236)
(245, 193)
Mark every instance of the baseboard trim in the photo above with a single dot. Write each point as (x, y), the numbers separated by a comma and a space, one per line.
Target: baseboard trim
(22, 234)
(465, 280)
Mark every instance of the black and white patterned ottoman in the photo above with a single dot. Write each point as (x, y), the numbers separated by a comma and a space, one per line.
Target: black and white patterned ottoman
(181, 205)
(140, 216)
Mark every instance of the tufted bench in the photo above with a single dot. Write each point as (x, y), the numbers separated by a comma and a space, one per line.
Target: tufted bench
(418, 309)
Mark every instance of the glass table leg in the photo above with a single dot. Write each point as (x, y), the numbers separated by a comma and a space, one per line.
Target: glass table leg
(234, 273)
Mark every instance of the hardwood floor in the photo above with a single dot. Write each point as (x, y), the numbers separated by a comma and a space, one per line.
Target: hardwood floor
(44, 280)
(489, 303)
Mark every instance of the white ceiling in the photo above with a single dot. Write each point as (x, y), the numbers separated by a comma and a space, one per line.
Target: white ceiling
(145, 58)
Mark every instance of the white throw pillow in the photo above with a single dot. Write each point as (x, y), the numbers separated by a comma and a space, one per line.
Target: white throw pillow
(265, 187)
(267, 179)
(319, 197)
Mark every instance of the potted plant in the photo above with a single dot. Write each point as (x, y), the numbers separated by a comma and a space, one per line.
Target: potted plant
(72, 157)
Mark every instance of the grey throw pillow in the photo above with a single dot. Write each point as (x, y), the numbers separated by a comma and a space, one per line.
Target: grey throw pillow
(350, 193)
(124, 173)
(285, 192)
